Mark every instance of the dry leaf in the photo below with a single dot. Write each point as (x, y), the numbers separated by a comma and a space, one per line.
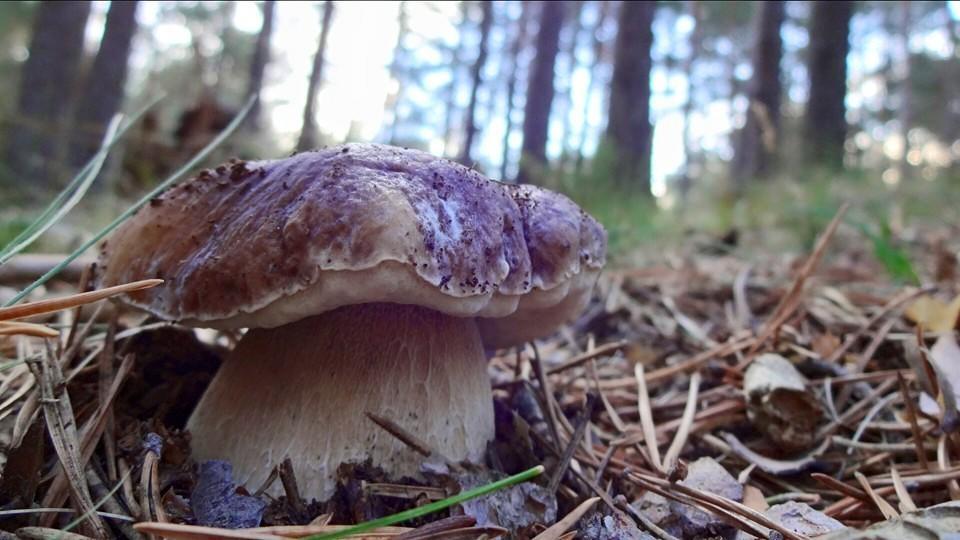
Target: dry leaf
(801, 519)
(779, 403)
(940, 522)
(933, 314)
(753, 497)
(945, 357)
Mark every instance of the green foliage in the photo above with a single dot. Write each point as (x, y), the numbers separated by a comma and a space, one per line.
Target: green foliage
(894, 259)
(12, 227)
(630, 217)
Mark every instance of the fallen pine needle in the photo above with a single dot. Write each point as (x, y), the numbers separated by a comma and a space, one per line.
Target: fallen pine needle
(58, 304)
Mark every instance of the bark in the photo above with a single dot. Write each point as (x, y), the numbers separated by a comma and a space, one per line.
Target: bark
(519, 41)
(825, 124)
(756, 148)
(36, 140)
(628, 121)
(309, 136)
(576, 29)
(599, 46)
(691, 160)
(905, 111)
(104, 86)
(476, 77)
(258, 65)
(393, 102)
(450, 98)
(540, 92)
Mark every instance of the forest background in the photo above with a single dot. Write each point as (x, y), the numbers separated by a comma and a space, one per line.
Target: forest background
(663, 118)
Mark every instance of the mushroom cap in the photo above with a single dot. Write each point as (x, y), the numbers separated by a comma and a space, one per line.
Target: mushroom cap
(266, 243)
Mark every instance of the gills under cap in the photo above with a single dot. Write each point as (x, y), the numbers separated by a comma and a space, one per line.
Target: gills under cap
(267, 243)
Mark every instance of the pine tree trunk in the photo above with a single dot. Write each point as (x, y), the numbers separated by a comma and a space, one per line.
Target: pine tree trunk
(519, 41)
(576, 28)
(476, 76)
(825, 124)
(691, 160)
(599, 46)
(905, 111)
(628, 123)
(540, 92)
(393, 101)
(37, 135)
(104, 85)
(309, 136)
(258, 65)
(450, 98)
(756, 148)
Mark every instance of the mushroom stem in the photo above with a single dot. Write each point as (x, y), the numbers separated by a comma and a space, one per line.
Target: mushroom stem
(302, 390)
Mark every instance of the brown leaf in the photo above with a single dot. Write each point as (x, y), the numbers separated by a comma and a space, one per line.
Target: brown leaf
(933, 314)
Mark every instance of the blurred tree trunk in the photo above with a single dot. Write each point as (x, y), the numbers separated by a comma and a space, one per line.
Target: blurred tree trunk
(309, 136)
(450, 99)
(103, 91)
(476, 76)
(628, 121)
(599, 47)
(905, 110)
(258, 65)
(540, 91)
(393, 100)
(576, 28)
(513, 57)
(690, 160)
(35, 142)
(825, 123)
(756, 148)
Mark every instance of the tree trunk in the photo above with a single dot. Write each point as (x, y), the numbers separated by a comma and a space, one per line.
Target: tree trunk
(519, 41)
(540, 91)
(309, 136)
(394, 100)
(905, 111)
(690, 159)
(825, 124)
(756, 151)
(599, 51)
(576, 28)
(104, 85)
(476, 75)
(628, 122)
(261, 57)
(35, 141)
(450, 99)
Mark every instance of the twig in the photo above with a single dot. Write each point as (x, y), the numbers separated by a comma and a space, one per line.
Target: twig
(581, 425)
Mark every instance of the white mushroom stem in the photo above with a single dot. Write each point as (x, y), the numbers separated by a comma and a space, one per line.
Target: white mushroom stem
(302, 390)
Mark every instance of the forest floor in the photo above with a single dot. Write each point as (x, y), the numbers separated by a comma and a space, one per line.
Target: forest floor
(703, 394)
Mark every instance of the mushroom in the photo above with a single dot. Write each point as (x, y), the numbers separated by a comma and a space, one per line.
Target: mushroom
(371, 279)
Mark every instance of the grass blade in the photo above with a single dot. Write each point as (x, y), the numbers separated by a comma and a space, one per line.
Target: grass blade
(234, 124)
(433, 507)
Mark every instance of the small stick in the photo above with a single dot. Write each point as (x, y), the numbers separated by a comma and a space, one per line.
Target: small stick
(409, 439)
(289, 481)
(582, 420)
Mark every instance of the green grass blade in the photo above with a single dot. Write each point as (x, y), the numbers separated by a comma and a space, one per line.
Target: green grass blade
(234, 124)
(434, 506)
(78, 187)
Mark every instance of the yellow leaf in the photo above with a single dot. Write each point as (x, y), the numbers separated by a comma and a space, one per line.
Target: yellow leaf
(933, 314)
